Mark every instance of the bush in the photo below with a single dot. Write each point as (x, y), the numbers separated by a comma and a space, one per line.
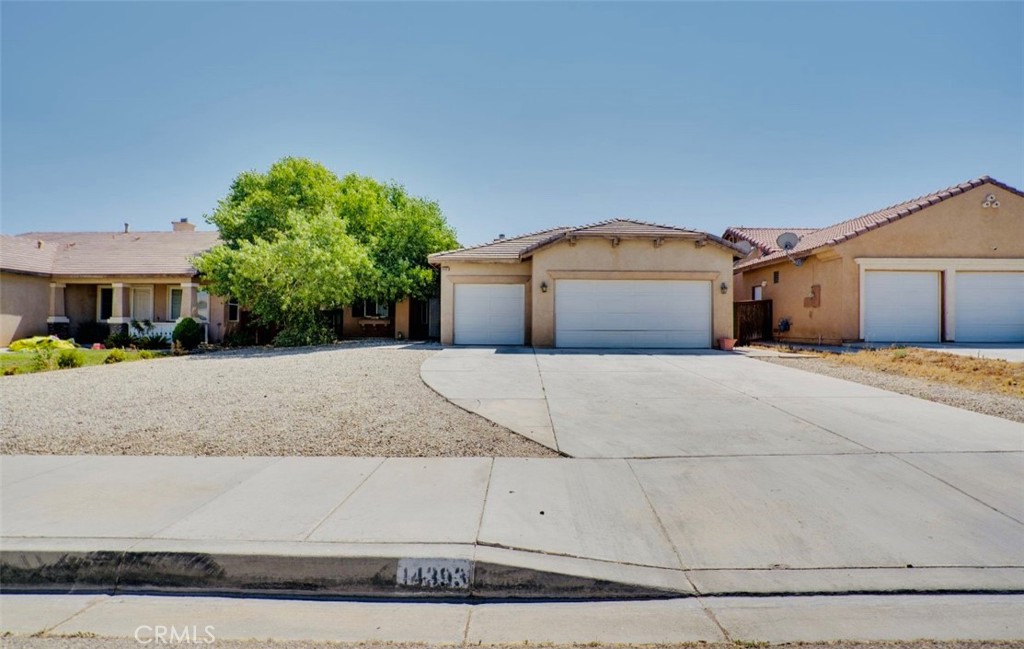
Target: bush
(115, 356)
(188, 334)
(304, 333)
(119, 340)
(145, 354)
(91, 332)
(69, 358)
(146, 337)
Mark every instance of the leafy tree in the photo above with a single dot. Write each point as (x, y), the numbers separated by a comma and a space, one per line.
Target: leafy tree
(297, 239)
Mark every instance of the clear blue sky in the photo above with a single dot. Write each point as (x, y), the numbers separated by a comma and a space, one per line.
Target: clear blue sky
(514, 116)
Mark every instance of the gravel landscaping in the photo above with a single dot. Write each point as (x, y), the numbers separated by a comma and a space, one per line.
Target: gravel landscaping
(998, 405)
(347, 399)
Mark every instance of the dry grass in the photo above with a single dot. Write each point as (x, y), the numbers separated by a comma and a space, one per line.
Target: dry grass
(981, 374)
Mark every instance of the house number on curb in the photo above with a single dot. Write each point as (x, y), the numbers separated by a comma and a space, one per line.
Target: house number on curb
(448, 574)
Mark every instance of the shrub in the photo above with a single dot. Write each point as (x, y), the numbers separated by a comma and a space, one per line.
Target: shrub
(44, 358)
(119, 340)
(69, 358)
(145, 354)
(187, 334)
(115, 356)
(89, 333)
(10, 371)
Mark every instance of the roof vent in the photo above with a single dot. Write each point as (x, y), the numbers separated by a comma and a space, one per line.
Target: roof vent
(39, 244)
(501, 237)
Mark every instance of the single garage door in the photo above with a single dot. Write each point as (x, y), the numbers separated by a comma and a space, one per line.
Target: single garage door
(990, 307)
(632, 313)
(489, 314)
(901, 306)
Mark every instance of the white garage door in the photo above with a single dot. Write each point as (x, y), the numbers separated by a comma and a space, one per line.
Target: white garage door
(632, 313)
(489, 314)
(990, 307)
(901, 306)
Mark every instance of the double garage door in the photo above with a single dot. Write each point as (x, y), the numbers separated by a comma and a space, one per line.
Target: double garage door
(591, 313)
(906, 306)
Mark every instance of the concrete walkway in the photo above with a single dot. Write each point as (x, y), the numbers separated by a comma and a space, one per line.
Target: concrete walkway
(712, 620)
(632, 404)
(504, 527)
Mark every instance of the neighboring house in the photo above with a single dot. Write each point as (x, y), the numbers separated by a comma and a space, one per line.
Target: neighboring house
(948, 266)
(618, 283)
(55, 282)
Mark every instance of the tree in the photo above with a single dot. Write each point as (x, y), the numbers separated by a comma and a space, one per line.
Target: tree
(297, 239)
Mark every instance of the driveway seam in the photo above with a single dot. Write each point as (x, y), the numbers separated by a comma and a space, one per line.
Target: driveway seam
(234, 485)
(954, 487)
(776, 407)
(547, 406)
(483, 505)
(344, 500)
(661, 525)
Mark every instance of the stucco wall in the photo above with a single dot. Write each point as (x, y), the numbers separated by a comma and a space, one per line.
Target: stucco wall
(479, 273)
(24, 306)
(957, 228)
(631, 259)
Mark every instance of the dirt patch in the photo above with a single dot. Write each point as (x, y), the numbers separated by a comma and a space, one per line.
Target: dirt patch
(981, 374)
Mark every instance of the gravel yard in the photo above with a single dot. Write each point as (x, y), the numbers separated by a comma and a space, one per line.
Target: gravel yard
(346, 399)
(998, 405)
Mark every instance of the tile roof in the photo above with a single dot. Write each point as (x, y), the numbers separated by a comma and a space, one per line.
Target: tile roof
(90, 254)
(846, 230)
(764, 238)
(521, 247)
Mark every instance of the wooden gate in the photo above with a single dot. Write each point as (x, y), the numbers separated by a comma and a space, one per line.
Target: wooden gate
(752, 321)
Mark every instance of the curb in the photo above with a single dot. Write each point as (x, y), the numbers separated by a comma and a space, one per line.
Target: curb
(303, 575)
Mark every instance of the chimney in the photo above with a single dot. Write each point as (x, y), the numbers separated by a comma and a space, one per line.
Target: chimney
(182, 226)
(127, 228)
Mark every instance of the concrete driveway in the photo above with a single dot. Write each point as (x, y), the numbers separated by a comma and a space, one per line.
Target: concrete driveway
(619, 404)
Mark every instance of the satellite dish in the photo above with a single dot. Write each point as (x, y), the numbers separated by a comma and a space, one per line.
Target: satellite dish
(787, 241)
(744, 247)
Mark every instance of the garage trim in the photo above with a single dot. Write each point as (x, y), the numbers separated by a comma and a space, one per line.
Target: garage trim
(708, 276)
(948, 266)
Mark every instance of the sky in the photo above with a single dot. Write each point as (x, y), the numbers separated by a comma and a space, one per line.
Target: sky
(514, 117)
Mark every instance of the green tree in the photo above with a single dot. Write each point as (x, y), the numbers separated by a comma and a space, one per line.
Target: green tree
(297, 239)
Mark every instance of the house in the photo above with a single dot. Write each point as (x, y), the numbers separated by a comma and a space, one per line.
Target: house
(67, 283)
(618, 283)
(948, 266)
(63, 282)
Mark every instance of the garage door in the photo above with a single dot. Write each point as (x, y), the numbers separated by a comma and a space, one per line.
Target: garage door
(990, 307)
(632, 313)
(901, 306)
(489, 314)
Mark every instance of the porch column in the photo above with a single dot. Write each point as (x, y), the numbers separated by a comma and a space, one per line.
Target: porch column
(56, 313)
(189, 300)
(120, 308)
(57, 323)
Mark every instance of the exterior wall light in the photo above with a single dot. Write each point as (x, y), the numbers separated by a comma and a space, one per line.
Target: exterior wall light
(724, 288)
(543, 287)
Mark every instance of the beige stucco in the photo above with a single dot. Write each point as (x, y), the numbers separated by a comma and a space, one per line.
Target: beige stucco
(593, 258)
(946, 237)
(24, 306)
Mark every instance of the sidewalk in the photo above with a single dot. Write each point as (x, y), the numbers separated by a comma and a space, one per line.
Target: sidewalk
(691, 620)
(512, 528)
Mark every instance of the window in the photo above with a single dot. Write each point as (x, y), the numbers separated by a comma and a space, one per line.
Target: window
(105, 306)
(775, 277)
(756, 293)
(232, 311)
(369, 309)
(174, 303)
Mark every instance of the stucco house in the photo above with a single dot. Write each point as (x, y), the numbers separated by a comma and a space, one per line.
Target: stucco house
(618, 283)
(54, 282)
(947, 266)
